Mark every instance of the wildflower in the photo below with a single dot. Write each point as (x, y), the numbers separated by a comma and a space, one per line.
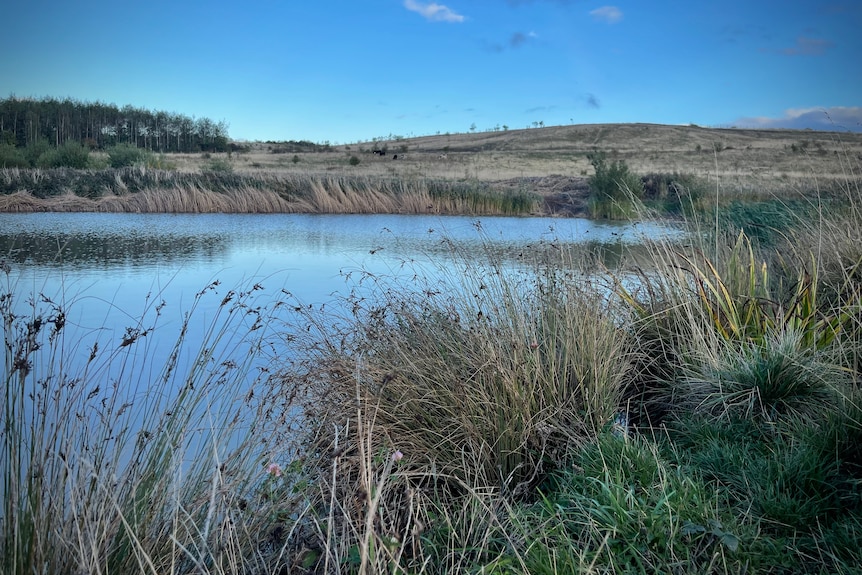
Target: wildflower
(274, 469)
(534, 345)
(396, 457)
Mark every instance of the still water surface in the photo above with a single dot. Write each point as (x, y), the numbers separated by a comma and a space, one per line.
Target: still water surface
(109, 270)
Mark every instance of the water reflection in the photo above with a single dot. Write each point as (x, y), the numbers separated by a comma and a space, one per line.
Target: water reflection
(90, 250)
(116, 267)
(128, 242)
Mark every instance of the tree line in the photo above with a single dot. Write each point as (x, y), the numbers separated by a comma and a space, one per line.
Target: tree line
(25, 122)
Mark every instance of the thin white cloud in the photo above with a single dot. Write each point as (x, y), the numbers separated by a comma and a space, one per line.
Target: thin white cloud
(609, 14)
(836, 118)
(433, 11)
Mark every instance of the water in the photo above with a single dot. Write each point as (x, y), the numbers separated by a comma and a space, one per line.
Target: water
(122, 257)
(109, 272)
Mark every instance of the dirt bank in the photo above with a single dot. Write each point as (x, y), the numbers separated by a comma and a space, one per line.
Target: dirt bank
(564, 196)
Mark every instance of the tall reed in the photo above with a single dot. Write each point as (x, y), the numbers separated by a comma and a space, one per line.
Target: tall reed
(111, 464)
(142, 189)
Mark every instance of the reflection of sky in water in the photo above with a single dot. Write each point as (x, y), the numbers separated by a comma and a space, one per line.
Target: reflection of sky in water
(146, 252)
(110, 264)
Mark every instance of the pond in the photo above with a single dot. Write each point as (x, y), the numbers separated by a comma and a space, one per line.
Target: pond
(112, 274)
(122, 257)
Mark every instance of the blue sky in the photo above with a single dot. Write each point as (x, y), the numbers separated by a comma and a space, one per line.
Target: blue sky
(348, 71)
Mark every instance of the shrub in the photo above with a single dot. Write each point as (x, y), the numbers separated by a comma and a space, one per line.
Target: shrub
(12, 157)
(160, 162)
(680, 194)
(614, 190)
(218, 165)
(35, 150)
(354, 161)
(69, 155)
(98, 162)
(123, 155)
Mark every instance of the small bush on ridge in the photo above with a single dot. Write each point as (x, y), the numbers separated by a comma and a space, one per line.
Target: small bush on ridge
(123, 155)
(69, 155)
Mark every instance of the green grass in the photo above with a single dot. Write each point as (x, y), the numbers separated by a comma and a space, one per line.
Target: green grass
(630, 508)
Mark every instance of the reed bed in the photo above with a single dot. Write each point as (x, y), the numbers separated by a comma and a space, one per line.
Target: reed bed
(113, 465)
(161, 191)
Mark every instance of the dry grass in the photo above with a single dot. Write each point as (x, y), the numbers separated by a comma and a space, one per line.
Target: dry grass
(550, 162)
(159, 191)
(495, 156)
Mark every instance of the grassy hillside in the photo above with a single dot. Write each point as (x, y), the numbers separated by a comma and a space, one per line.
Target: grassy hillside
(562, 150)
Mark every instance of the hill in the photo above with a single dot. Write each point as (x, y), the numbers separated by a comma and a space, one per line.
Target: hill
(740, 157)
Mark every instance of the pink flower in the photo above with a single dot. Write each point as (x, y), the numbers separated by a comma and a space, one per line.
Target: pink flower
(396, 457)
(274, 469)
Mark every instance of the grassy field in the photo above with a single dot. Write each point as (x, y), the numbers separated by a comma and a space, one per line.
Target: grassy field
(548, 164)
(761, 161)
(537, 152)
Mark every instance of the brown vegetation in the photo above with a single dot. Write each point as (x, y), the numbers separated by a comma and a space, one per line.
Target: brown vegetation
(143, 190)
(549, 162)
(504, 155)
